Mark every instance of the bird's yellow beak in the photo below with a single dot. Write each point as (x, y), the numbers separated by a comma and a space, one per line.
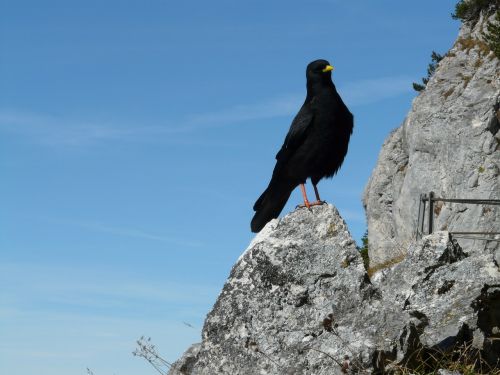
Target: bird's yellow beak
(328, 68)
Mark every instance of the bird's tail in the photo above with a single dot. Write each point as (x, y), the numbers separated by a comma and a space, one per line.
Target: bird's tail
(270, 203)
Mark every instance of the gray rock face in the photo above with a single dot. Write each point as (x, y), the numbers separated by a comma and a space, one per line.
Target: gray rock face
(440, 288)
(298, 301)
(294, 273)
(186, 363)
(450, 144)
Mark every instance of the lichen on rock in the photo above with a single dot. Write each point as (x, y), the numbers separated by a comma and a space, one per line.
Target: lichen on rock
(299, 301)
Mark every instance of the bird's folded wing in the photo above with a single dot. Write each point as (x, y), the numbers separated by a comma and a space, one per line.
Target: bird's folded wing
(297, 132)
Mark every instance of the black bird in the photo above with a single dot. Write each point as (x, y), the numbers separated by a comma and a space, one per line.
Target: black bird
(314, 147)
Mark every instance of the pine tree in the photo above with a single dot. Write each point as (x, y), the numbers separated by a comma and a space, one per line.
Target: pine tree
(436, 58)
(492, 36)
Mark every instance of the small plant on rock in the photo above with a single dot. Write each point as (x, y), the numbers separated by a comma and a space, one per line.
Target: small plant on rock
(363, 250)
(492, 35)
(469, 10)
(436, 58)
(147, 350)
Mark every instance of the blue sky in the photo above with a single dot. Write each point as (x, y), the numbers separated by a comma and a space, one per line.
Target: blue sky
(135, 137)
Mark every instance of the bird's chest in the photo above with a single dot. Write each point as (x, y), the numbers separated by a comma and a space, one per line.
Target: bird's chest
(326, 130)
(329, 137)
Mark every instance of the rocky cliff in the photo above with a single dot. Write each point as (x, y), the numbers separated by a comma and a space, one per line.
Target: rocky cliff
(449, 144)
(299, 300)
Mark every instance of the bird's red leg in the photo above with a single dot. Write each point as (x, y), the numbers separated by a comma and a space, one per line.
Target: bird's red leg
(304, 195)
(318, 199)
(317, 193)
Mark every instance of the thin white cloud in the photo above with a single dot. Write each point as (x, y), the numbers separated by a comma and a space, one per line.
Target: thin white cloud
(53, 130)
(34, 340)
(100, 293)
(126, 232)
(276, 107)
(44, 286)
(374, 90)
(136, 233)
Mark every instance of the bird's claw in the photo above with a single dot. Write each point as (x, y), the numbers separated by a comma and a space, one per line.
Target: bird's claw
(317, 203)
(305, 205)
(308, 205)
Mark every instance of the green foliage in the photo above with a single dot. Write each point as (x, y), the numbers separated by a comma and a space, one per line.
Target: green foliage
(492, 36)
(469, 10)
(431, 68)
(418, 87)
(363, 250)
(436, 58)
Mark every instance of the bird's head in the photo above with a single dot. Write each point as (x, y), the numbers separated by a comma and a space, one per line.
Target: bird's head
(319, 71)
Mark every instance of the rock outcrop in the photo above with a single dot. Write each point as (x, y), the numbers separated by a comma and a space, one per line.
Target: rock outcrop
(299, 301)
(449, 144)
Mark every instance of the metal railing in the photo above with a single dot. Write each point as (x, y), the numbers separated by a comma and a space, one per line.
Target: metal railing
(430, 199)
